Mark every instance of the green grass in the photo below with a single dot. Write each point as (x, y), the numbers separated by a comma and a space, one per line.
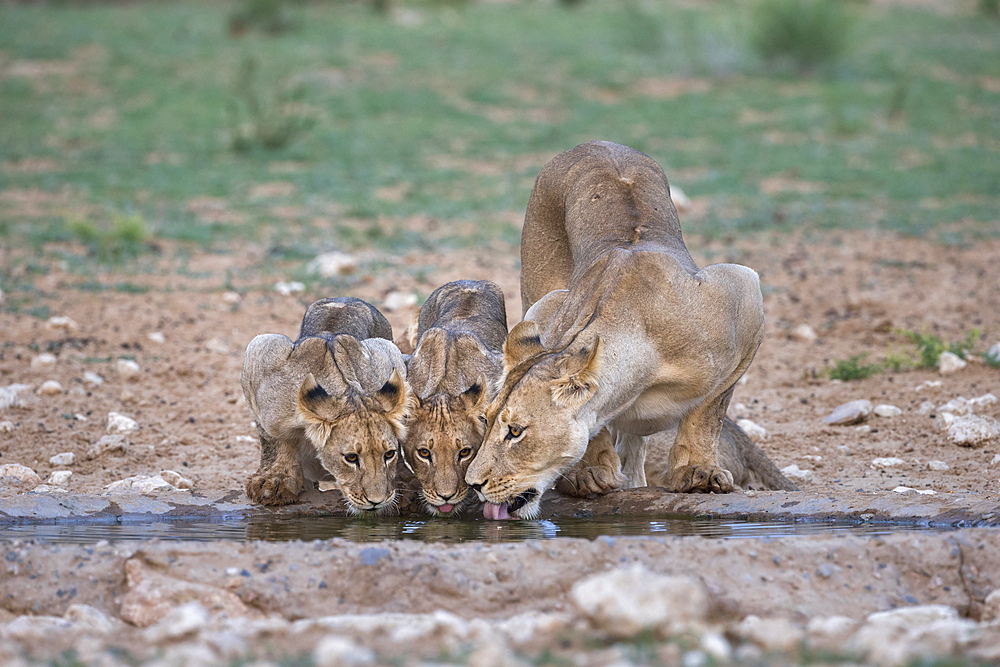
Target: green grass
(852, 368)
(148, 111)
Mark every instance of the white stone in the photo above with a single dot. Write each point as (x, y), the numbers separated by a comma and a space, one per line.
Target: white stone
(29, 478)
(864, 428)
(143, 484)
(991, 607)
(949, 362)
(906, 490)
(886, 462)
(337, 651)
(6, 426)
(64, 459)
(794, 472)
(886, 410)
(62, 322)
(937, 465)
(49, 488)
(628, 600)
(994, 353)
(59, 477)
(180, 621)
(946, 419)
(119, 423)
(37, 629)
(396, 300)
(288, 288)
(156, 337)
(79, 417)
(107, 444)
(907, 617)
(898, 636)
(127, 369)
(996, 460)
(231, 297)
(717, 646)
(925, 407)
(804, 332)
(771, 634)
(929, 384)
(753, 430)
(217, 346)
(175, 479)
(985, 399)
(831, 626)
(92, 379)
(43, 361)
(91, 619)
(331, 264)
(973, 431)
(849, 413)
(50, 388)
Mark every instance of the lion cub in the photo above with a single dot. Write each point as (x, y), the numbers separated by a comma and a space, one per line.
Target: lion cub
(453, 371)
(330, 406)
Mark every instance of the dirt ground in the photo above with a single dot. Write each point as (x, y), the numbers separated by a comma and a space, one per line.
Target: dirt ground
(855, 289)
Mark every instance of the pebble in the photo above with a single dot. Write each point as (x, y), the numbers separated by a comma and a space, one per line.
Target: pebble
(904, 490)
(332, 264)
(10, 396)
(50, 388)
(771, 634)
(886, 410)
(127, 369)
(886, 462)
(64, 459)
(143, 484)
(794, 472)
(831, 626)
(28, 477)
(231, 297)
(864, 428)
(973, 431)
(996, 460)
(949, 362)
(175, 479)
(92, 379)
(6, 427)
(397, 300)
(119, 423)
(43, 361)
(849, 413)
(753, 430)
(994, 353)
(217, 346)
(937, 465)
(289, 288)
(62, 322)
(928, 384)
(337, 651)
(804, 332)
(59, 477)
(844, 449)
(156, 337)
(107, 444)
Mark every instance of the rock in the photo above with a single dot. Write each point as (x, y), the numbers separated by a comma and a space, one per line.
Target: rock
(900, 635)
(928, 384)
(127, 370)
(397, 300)
(43, 361)
(332, 264)
(27, 477)
(991, 607)
(965, 406)
(949, 362)
(108, 444)
(804, 332)
(794, 472)
(59, 477)
(985, 399)
(91, 619)
(38, 630)
(830, 626)
(49, 488)
(717, 647)
(973, 431)
(289, 288)
(144, 484)
(92, 379)
(156, 337)
(906, 490)
(908, 617)
(178, 622)
(119, 423)
(937, 465)
(176, 480)
(10, 396)
(216, 346)
(626, 601)
(62, 323)
(996, 460)
(993, 354)
(886, 410)
(6, 427)
(925, 407)
(771, 634)
(64, 459)
(756, 432)
(50, 388)
(849, 413)
(886, 462)
(337, 651)
(864, 428)
(231, 297)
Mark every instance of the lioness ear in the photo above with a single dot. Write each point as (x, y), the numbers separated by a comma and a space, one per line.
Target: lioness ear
(522, 342)
(396, 400)
(579, 380)
(317, 410)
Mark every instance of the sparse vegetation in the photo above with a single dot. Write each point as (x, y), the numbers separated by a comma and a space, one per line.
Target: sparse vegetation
(807, 33)
(852, 368)
(264, 117)
(930, 346)
(124, 238)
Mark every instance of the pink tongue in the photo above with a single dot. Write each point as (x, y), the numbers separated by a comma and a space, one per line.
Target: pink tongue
(445, 508)
(494, 511)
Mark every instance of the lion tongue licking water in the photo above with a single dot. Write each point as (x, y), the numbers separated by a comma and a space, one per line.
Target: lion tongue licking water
(494, 511)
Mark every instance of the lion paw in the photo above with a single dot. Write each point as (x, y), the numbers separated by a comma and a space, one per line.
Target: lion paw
(590, 481)
(700, 479)
(270, 488)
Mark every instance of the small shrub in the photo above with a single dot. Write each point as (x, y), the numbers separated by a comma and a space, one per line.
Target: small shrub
(266, 120)
(897, 363)
(852, 369)
(930, 346)
(126, 238)
(265, 15)
(806, 32)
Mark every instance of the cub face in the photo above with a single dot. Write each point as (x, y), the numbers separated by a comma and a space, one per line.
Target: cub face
(357, 439)
(444, 434)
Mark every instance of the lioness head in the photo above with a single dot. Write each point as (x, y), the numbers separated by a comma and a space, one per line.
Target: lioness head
(533, 430)
(356, 433)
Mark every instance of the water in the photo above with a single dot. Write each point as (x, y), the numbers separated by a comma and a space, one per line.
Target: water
(434, 530)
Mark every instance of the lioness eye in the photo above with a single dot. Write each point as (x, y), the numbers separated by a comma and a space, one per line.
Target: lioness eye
(389, 454)
(351, 458)
(424, 453)
(465, 453)
(514, 432)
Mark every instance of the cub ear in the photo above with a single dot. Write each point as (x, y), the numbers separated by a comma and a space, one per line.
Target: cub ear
(579, 378)
(522, 342)
(474, 398)
(396, 400)
(317, 409)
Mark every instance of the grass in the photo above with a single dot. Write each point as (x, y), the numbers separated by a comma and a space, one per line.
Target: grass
(153, 112)
(928, 349)
(852, 368)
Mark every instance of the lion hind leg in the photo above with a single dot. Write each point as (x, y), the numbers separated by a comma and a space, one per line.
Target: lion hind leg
(279, 480)
(597, 473)
(632, 451)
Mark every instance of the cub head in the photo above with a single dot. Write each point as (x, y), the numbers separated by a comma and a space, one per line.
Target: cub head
(356, 433)
(533, 428)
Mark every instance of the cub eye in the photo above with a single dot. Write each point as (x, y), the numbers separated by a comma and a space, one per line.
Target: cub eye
(389, 455)
(465, 453)
(514, 431)
(351, 458)
(424, 453)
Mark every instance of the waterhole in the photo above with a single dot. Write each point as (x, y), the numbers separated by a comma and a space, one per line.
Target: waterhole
(436, 530)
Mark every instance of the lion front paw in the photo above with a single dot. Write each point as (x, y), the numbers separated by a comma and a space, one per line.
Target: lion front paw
(700, 479)
(270, 488)
(590, 481)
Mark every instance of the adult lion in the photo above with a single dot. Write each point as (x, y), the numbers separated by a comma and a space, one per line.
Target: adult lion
(622, 330)
(330, 406)
(454, 372)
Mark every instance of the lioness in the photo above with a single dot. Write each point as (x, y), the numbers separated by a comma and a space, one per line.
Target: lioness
(454, 372)
(621, 330)
(330, 406)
